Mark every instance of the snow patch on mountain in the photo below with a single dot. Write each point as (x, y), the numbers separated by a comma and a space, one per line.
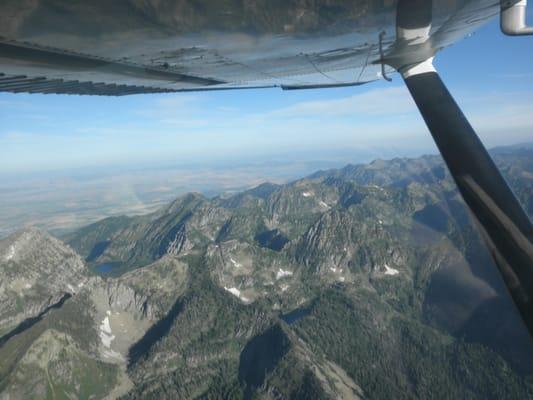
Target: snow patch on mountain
(281, 274)
(391, 271)
(10, 253)
(106, 334)
(237, 293)
(235, 263)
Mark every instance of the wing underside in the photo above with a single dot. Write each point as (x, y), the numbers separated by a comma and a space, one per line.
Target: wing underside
(98, 48)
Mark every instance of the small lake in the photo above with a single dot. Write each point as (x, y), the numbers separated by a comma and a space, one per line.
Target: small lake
(296, 315)
(106, 268)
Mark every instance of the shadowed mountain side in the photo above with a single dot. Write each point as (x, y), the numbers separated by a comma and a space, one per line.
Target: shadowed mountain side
(28, 323)
(260, 357)
(154, 334)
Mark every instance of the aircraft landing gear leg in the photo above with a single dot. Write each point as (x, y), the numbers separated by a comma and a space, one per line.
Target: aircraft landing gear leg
(505, 226)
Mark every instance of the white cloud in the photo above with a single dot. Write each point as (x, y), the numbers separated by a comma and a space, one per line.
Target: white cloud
(376, 102)
(205, 126)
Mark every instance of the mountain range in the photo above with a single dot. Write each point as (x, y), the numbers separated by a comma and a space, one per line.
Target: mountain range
(366, 282)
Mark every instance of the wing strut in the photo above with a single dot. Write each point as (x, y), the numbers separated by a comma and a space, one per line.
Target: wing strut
(505, 226)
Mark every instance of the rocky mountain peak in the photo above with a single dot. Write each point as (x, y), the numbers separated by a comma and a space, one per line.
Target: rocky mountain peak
(36, 271)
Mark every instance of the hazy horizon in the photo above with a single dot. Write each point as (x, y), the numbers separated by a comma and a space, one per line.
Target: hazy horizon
(68, 199)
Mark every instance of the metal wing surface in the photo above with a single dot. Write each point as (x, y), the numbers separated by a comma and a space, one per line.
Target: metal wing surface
(121, 47)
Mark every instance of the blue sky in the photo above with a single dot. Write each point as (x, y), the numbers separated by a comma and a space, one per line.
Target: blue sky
(489, 74)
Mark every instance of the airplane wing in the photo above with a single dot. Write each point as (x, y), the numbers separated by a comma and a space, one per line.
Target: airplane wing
(125, 47)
